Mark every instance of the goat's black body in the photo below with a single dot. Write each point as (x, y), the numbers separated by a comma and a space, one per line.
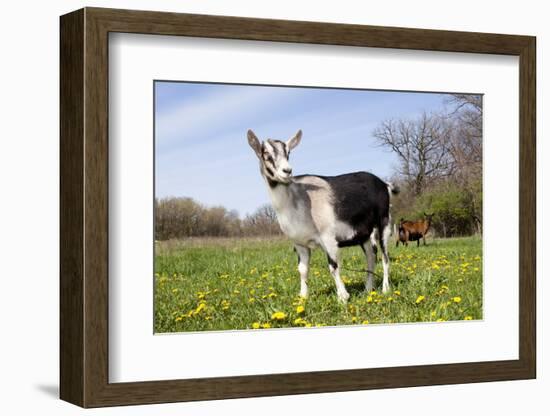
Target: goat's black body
(361, 200)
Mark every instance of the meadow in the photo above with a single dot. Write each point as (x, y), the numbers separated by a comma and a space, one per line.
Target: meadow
(226, 284)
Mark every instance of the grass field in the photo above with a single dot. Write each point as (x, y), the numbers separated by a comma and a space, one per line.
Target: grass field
(223, 284)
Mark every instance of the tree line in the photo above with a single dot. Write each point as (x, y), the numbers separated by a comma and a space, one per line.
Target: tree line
(180, 217)
(440, 165)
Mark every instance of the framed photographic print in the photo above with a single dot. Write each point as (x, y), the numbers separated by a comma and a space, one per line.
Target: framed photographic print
(255, 207)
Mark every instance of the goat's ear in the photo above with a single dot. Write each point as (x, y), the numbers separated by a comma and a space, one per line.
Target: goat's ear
(295, 141)
(254, 143)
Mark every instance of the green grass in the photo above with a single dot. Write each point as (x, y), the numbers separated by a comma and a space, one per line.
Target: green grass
(223, 284)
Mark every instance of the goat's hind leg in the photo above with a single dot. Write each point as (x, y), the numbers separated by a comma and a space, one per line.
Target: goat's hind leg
(303, 267)
(368, 249)
(384, 237)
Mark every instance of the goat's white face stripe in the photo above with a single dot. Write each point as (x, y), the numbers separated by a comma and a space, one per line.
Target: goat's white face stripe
(275, 161)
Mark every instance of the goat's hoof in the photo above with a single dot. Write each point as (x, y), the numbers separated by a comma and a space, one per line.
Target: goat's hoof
(343, 297)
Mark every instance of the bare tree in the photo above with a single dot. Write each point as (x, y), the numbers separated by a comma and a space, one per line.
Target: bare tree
(184, 217)
(422, 146)
(467, 148)
(262, 222)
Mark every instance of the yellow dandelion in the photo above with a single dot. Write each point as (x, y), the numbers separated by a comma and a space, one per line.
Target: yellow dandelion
(365, 322)
(369, 299)
(441, 320)
(420, 299)
(397, 292)
(354, 319)
(266, 325)
(299, 321)
(457, 299)
(278, 316)
(251, 300)
(201, 306)
(300, 309)
(468, 318)
(256, 325)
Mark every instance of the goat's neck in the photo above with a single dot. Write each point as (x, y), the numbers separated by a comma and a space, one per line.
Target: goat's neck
(281, 195)
(428, 224)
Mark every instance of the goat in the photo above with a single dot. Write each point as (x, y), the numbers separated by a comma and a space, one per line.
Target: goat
(326, 211)
(402, 235)
(414, 230)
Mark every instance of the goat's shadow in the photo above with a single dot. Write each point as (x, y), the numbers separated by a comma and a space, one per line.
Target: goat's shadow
(356, 288)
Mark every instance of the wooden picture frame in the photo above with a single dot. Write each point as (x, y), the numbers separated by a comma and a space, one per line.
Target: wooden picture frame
(84, 207)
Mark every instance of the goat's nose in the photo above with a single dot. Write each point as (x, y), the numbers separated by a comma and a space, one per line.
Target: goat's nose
(288, 171)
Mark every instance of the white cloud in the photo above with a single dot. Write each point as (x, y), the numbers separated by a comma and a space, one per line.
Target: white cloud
(225, 107)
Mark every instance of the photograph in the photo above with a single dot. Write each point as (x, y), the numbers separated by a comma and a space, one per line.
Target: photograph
(313, 206)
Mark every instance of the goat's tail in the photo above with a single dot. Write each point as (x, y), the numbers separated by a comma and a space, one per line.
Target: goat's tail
(393, 189)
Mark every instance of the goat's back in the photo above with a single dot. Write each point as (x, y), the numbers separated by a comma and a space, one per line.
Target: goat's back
(358, 198)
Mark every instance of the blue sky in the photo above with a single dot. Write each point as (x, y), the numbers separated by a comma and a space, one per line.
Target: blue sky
(202, 152)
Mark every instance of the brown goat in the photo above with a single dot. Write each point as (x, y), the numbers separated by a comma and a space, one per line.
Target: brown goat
(414, 230)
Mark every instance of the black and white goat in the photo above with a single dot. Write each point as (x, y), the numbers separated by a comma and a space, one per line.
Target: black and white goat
(326, 211)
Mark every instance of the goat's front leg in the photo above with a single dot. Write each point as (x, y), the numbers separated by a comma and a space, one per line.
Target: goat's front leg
(303, 267)
(331, 248)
